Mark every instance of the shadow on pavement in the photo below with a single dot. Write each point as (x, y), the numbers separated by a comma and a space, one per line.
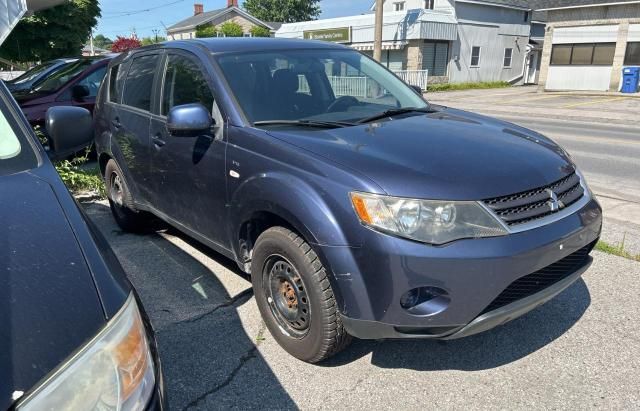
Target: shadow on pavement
(490, 349)
(202, 342)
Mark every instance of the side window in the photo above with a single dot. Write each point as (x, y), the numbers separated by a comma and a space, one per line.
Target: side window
(139, 82)
(93, 81)
(114, 86)
(184, 83)
(475, 56)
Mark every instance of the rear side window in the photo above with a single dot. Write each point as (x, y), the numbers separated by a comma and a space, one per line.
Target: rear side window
(15, 151)
(115, 88)
(139, 82)
(185, 83)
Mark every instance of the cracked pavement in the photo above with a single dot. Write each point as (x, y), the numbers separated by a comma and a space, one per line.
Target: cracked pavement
(578, 351)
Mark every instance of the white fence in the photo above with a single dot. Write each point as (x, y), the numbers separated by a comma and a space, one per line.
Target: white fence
(363, 87)
(10, 75)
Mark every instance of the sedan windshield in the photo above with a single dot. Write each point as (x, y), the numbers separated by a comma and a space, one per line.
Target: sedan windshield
(296, 87)
(32, 73)
(61, 77)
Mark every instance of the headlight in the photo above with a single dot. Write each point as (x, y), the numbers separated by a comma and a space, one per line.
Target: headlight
(112, 372)
(429, 221)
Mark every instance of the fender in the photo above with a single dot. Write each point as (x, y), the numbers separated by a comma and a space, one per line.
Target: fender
(292, 199)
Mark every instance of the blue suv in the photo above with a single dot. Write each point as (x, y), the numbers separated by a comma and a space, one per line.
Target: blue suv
(358, 208)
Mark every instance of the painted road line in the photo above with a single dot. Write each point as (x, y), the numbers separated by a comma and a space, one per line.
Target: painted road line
(584, 103)
(525, 100)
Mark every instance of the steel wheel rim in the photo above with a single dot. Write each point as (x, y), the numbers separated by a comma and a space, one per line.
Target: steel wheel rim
(286, 296)
(115, 189)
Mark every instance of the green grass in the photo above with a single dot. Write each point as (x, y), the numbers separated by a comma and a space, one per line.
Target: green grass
(616, 250)
(79, 179)
(467, 86)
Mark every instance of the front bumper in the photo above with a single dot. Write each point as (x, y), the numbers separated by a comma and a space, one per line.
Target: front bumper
(371, 279)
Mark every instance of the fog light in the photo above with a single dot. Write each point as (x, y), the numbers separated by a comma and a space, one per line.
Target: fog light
(424, 301)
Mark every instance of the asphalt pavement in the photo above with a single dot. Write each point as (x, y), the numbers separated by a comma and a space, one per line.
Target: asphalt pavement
(578, 351)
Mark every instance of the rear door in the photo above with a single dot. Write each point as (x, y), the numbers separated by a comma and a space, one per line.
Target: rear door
(131, 120)
(188, 172)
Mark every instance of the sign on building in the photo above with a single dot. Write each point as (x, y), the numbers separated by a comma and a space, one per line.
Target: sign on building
(336, 35)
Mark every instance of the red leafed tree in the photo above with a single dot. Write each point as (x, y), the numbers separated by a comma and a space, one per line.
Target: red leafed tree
(121, 44)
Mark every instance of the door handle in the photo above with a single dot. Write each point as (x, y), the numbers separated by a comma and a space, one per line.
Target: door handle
(116, 123)
(158, 142)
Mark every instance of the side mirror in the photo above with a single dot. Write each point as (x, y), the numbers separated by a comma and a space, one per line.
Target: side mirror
(69, 129)
(189, 120)
(417, 89)
(79, 92)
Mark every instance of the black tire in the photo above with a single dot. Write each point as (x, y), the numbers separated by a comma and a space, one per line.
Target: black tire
(283, 264)
(121, 202)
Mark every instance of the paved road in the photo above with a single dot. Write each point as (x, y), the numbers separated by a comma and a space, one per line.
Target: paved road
(578, 351)
(608, 151)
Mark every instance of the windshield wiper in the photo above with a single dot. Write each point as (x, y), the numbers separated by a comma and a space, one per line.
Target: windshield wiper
(395, 112)
(305, 123)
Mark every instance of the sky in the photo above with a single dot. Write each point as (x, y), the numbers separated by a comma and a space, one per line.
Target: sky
(121, 17)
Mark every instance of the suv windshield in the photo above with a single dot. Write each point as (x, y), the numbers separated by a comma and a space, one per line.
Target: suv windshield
(327, 85)
(61, 77)
(16, 153)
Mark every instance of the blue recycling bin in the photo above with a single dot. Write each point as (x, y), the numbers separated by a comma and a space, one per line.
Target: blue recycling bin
(630, 79)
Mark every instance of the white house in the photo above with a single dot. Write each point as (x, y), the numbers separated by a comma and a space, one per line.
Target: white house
(455, 40)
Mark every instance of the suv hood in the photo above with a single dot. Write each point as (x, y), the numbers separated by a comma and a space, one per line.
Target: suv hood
(448, 155)
(49, 306)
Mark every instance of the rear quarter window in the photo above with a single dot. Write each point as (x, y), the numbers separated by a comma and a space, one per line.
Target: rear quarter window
(16, 154)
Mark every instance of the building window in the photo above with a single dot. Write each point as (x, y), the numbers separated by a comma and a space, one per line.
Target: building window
(526, 16)
(435, 57)
(588, 54)
(399, 6)
(429, 4)
(475, 56)
(508, 54)
(632, 58)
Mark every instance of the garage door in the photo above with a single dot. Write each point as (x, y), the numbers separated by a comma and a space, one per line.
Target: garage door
(582, 58)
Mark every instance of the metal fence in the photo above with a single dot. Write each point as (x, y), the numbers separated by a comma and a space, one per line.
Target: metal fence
(363, 87)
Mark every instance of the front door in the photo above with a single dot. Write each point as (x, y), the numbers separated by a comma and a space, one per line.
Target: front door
(188, 172)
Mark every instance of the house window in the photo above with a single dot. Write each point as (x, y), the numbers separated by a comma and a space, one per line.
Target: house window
(399, 6)
(588, 54)
(508, 54)
(435, 57)
(526, 16)
(633, 54)
(475, 56)
(429, 4)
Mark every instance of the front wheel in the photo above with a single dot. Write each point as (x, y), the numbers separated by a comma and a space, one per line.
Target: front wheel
(295, 296)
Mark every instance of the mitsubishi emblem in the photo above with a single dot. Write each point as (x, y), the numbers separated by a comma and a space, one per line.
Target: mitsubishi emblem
(554, 204)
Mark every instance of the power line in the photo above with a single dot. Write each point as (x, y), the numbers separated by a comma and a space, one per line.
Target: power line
(133, 12)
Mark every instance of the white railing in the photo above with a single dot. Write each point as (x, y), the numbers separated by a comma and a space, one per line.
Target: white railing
(359, 86)
(414, 77)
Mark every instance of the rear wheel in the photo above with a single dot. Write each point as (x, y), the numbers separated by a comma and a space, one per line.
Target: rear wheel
(295, 296)
(121, 202)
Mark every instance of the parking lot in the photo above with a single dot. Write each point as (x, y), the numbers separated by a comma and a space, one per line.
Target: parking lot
(577, 351)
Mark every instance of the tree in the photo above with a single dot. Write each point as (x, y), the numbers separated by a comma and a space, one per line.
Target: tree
(231, 29)
(206, 30)
(259, 31)
(122, 44)
(102, 42)
(146, 41)
(60, 31)
(284, 11)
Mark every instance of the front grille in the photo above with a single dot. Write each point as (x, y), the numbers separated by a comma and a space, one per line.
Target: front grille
(535, 204)
(538, 281)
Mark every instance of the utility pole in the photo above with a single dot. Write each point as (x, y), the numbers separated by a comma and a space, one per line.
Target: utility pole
(156, 31)
(93, 51)
(377, 43)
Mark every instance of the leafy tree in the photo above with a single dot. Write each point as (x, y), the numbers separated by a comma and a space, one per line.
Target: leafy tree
(231, 29)
(146, 41)
(60, 31)
(206, 30)
(259, 31)
(122, 44)
(102, 42)
(285, 11)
